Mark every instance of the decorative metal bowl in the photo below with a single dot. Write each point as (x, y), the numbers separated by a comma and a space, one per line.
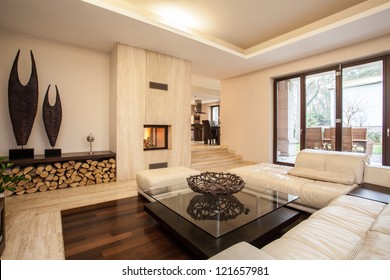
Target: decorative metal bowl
(213, 183)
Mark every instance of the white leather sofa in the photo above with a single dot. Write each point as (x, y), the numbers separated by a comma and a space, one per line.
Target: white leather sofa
(349, 228)
(317, 177)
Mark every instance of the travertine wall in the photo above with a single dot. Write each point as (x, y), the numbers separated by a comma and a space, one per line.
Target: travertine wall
(136, 104)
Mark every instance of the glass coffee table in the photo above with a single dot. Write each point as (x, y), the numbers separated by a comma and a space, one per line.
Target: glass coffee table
(208, 224)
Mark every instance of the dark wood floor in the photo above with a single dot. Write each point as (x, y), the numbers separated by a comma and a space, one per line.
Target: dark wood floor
(117, 230)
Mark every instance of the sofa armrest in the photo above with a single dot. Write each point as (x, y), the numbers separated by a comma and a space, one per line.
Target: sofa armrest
(377, 175)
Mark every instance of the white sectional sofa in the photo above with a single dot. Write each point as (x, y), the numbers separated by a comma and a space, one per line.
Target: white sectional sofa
(317, 178)
(349, 228)
(345, 227)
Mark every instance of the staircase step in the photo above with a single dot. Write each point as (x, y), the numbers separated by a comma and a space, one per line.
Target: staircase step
(212, 157)
(215, 158)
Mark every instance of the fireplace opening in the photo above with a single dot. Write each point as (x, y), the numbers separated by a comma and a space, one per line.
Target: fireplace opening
(155, 137)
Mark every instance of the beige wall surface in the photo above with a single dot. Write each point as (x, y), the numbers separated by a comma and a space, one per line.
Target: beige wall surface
(247, 101)
(82, 77)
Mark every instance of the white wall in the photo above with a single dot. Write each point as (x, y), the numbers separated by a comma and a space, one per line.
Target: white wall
(247, 101)
(82, 77)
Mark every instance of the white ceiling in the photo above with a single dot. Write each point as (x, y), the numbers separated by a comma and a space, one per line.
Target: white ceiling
(224, 38)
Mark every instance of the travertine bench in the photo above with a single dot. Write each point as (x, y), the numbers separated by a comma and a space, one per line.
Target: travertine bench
(163, 180)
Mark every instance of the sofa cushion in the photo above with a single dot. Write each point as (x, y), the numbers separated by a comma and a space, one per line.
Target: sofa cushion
(341, 162)
(327, 176)
(151, 179)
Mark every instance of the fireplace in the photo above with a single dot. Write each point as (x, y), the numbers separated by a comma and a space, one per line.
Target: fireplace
(155, 137)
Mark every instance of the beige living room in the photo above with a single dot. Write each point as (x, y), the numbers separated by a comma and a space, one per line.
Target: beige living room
(104, 56)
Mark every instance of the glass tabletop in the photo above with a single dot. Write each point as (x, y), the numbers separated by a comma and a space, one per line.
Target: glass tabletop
(218, 215)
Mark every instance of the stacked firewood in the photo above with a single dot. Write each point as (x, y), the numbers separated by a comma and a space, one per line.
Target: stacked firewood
(61, 175)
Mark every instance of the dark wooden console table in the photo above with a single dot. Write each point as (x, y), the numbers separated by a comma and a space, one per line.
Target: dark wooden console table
(64, 157)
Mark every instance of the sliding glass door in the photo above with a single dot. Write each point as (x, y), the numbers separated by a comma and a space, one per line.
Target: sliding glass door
(344, 108)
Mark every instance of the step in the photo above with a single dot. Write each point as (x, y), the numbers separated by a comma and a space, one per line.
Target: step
(214, 162)
(214, 157)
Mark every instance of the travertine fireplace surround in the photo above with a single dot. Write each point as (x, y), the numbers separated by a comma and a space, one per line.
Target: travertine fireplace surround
(132, 70)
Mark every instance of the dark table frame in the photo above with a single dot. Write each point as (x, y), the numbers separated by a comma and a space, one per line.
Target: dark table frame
(204, 246)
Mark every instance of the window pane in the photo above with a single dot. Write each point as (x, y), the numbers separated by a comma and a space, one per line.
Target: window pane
(320, 110)
(288, 120)
(363, 109)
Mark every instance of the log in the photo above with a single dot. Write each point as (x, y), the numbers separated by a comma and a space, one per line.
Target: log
(32, 190)
(40, 184)
(48, 167)
(39, 169)
(15, 169)
(44, 174)
(43, 188)
(63, 186)
(68, 181)
(77, 179)
(28, 185)
(27, 170)
(77, 165)
(50, 177)
(37, 180)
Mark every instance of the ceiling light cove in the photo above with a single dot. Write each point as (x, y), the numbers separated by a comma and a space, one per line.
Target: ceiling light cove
(177, 18)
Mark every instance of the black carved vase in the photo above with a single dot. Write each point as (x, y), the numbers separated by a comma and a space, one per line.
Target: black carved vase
(52, 116)
(22, 101)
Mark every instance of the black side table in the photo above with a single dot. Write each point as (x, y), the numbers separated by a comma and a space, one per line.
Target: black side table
(372, 192)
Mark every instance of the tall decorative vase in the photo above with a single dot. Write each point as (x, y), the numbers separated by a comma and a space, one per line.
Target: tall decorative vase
(52, 117)
(23, 105)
